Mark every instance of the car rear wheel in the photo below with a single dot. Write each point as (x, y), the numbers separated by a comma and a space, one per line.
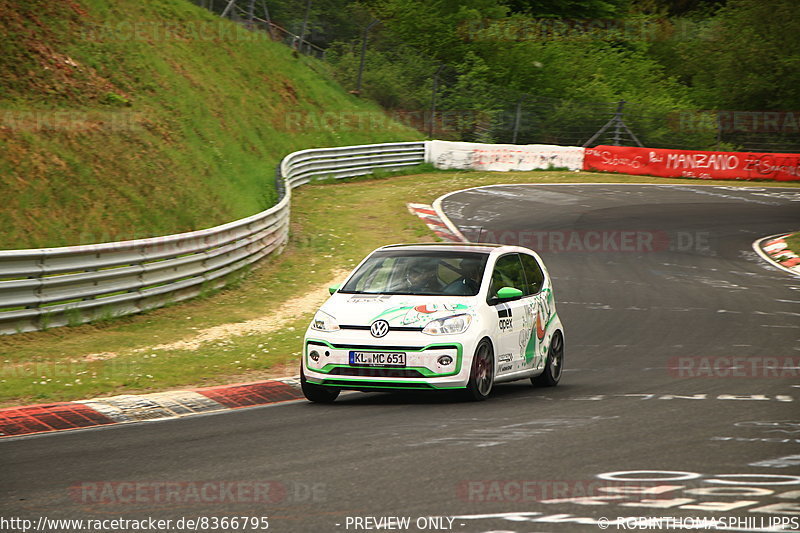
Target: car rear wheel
(481, 376)
(554, 365)
(317, 393)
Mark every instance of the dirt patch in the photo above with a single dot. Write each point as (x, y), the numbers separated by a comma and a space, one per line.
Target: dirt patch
(289, 94)
(102, 356)
(264, 324)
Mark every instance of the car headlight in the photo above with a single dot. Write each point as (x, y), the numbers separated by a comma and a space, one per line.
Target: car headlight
(324, 322)
(448, 325)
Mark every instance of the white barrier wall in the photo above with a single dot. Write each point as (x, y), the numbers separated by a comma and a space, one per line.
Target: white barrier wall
(502, 157)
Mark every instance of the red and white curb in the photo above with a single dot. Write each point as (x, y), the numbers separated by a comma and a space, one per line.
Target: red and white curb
(436, 222)
(774, 249)
(44, 418)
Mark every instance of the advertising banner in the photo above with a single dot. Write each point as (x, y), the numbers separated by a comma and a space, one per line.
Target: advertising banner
(693, 164)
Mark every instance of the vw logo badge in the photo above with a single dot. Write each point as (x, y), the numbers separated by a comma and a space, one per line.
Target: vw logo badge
(379, 328)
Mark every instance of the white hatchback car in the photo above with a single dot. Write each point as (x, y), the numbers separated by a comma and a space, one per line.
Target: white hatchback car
(436, 316)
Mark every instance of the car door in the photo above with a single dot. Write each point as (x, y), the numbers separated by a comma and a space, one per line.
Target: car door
(537, 311)
(513, 318)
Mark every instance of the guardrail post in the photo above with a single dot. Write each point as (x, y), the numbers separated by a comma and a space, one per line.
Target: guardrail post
(433, 100)
(517, 118)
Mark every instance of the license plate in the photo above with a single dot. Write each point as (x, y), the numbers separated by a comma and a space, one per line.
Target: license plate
(378, 358)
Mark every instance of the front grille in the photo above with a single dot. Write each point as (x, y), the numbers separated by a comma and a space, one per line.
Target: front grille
(391, 328)
(377, 372)
(316, 343)
(374, 348)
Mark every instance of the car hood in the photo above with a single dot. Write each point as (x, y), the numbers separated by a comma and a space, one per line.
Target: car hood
(397, 310)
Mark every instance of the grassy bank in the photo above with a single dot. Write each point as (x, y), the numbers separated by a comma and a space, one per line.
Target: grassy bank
(122, 120)
(333, 226)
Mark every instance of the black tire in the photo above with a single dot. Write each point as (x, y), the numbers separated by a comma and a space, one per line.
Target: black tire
(554, 366)
(317, 393)
(481, 376)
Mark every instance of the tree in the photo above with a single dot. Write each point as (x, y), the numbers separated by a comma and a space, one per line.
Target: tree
(748, 57)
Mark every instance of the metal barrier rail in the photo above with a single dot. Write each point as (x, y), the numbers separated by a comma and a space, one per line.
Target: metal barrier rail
(50, 287)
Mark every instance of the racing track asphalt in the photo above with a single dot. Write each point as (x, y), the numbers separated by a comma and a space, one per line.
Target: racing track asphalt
(699, 293)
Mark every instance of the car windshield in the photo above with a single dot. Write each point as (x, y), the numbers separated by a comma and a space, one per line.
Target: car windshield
(424, 272)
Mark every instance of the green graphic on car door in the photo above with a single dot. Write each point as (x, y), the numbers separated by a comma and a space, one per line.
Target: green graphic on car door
(537, 317)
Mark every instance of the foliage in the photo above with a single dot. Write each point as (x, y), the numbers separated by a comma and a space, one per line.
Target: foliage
(666, 57)
(748, 57)
(123, 120)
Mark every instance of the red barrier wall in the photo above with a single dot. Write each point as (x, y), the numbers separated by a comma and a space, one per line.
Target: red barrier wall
(693, 164)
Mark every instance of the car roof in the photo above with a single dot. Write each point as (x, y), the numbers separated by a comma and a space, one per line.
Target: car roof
(453, 246)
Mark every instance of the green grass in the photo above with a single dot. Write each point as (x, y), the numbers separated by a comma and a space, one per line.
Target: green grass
(123, 120)
(793, 242)
(327, 235)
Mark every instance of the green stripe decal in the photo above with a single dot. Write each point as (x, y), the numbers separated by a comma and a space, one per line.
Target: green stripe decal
(400, 385)
(421, 369)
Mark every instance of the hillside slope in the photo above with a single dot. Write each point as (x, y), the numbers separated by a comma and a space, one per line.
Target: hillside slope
(123, 119)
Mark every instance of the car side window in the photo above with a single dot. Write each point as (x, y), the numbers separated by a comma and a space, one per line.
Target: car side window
(508, 272)
(534, 276)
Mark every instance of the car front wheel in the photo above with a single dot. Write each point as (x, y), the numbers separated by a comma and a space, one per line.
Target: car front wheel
(317, 393)
(481, 376)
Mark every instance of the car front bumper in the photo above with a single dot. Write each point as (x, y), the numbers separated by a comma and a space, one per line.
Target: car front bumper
(326, 360)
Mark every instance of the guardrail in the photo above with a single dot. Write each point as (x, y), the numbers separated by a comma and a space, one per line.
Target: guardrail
(51, 287)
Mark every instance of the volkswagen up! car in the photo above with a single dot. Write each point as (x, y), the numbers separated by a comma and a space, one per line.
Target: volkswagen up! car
(438, 317)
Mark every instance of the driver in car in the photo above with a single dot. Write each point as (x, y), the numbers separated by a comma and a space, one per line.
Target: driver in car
(422, 277)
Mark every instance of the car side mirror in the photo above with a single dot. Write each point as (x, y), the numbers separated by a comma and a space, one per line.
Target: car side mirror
(508, 293)
(333, 288)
